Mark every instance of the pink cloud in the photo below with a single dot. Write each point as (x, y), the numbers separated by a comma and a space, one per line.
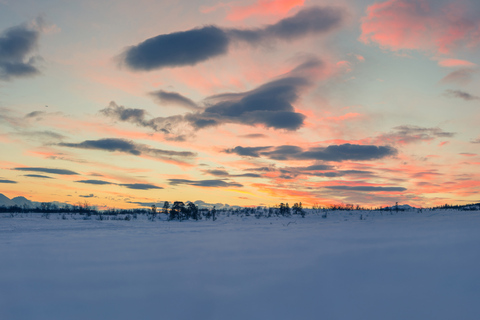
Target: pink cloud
(261, 7)
(452, 63)
(419, 25)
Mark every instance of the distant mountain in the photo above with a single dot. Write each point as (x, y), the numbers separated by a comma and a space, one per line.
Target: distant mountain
(4, 201)
(17, 201)
(22, 201)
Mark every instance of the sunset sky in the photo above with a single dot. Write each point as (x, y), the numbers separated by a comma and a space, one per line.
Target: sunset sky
(127, 103)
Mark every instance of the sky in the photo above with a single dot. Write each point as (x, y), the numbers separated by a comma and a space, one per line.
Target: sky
(127, 103)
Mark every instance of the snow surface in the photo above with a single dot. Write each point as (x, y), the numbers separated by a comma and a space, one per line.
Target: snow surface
(408, 265)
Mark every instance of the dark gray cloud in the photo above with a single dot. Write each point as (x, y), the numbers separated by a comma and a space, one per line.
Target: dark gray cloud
(204, 183)
(140, 186)
(367, 188)
(196, 45)
(97, 182)
(130, 147)
(107, 145)
(411, 134)
(248, 151)
(461, 94)
(175, 98)
(37, 176)
(269, 105)
(47, 170)
(306, 22)
(177, 49)
(334, 153)
(91, 195)
(475, 141)
(349, 152)
(7, 181)
(17, 45)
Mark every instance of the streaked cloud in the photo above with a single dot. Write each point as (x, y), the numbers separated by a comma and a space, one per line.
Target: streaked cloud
(40, 176)
(140, 186)
(204, 183)
(96, 182)
(130, 147)
(224, 173)
(335, 153)
(47, 170)
(411, 134)
(367, 188)
(7, 181)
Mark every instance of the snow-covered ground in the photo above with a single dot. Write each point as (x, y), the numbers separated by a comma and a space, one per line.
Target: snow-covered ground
(407, 265)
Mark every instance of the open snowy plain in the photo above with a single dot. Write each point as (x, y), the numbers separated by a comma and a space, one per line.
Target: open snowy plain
(405, 265)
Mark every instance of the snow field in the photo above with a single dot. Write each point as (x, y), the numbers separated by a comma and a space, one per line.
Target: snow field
(405, 265)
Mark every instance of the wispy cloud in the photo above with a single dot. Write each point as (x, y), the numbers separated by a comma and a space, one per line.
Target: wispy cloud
(461, 76)
(411, 134)
(461, 94)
